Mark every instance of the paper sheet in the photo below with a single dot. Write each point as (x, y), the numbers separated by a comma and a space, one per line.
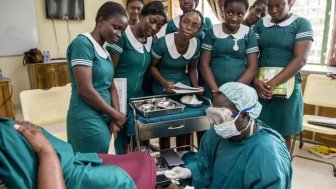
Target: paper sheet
(121, 86)
(183, 89)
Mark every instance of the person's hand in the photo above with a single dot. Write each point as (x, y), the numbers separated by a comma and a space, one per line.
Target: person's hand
(169, 86)
(34, 136)
(201, 89)
(263, 89)
(120, 119)
(177, 173)
(114, 129)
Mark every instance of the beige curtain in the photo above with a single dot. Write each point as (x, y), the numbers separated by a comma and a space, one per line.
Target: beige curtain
(216, 8)
(332, 53)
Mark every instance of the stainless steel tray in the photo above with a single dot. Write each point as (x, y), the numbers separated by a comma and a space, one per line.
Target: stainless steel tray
(157, 106)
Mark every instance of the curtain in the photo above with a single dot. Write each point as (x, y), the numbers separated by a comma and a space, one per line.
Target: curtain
(216, 8)
(332, 52)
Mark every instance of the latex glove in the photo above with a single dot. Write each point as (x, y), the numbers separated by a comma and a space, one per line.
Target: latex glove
(177, 173)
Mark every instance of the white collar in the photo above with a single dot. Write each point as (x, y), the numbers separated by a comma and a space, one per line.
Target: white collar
(176, 21)
(268, 23)
(135, 43)
(241, 33)
(169, 38)
(100, 50)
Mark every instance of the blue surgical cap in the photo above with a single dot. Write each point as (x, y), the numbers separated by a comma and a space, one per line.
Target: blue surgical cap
(244, 97)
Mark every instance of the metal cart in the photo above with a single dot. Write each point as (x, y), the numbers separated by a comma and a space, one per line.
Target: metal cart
(189, 121)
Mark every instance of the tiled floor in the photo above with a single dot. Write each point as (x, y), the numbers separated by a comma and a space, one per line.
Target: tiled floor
(306, 174)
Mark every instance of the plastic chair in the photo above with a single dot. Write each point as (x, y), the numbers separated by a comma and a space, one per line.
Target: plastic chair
(46, 107)
(320, 91)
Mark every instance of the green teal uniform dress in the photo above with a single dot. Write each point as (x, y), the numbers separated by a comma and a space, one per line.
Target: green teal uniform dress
(173, 26)
(260, 161)
(229, 52)
(283, 115)
(134, 60)
(172, 65)
(88, 128)
(19, 164)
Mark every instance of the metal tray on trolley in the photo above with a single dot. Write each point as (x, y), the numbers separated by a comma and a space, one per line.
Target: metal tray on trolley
(157, 106)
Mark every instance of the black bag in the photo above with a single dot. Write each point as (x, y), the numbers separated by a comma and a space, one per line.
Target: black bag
(33, 56)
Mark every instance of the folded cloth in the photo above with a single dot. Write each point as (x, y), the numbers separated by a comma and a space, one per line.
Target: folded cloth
(140, 166)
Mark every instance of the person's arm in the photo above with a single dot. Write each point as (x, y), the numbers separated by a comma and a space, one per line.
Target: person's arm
(83, 78)
(205, 62)
(158, 51)
(192, 70)
(168, 85)
(252, 68)
(206, 71)
(50, 173)
(301, 50)
(252, 51)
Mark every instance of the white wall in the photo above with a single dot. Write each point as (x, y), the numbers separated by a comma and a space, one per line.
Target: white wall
(12, 65)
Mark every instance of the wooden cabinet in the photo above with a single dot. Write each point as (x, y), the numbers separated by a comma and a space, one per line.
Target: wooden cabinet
(47, 75)
(6, 105)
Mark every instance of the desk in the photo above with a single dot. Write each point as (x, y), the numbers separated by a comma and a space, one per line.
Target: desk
(6, 105)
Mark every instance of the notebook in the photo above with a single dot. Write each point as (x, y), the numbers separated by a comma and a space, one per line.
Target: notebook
(285, 89)
(121, 86)
(323, 121)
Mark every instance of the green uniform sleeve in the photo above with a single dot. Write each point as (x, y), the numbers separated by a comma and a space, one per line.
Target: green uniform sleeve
(158, 49)
(80, 52)
(199, 164)
(252, 43)
(304, 31)
(208, 40)
(117, 48)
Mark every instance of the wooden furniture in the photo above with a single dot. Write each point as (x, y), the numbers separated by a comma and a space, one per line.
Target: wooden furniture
(6, 105)
(47, 75)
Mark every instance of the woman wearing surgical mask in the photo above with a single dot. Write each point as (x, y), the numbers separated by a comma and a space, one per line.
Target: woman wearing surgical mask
(288, 50)
(131, 54)
(133, 9)
(171, 54)
(229, 50)
(239, 151)
(256, 12)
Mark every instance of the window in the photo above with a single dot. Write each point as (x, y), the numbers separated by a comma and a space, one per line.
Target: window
(319, 13)
(206, 10)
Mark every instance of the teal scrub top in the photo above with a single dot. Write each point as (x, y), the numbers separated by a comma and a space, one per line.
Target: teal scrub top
(227, 64)
(173, 26)
(278, 52)
(260, 161)
(172, 65)
(87, 128)
(133, 61)
(19, 164)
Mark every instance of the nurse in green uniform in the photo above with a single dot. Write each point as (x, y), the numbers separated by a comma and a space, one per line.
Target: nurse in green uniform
(229, 50)
(94, 110)
(133, 9)
(256, 11)
(170, 56)
(131, 55)
(173, 25)
(288, 50)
